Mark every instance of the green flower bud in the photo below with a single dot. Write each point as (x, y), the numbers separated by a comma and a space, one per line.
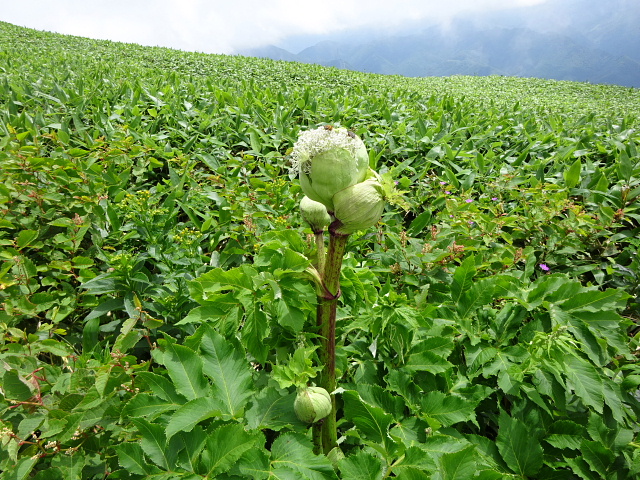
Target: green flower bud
(329, 160)
(312, 404)
(359, 206)
(315, 214)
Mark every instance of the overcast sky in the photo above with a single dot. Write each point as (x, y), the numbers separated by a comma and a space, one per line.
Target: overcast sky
(213, 26)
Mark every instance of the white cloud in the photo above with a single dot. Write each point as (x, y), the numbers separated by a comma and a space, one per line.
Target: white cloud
(221, 27)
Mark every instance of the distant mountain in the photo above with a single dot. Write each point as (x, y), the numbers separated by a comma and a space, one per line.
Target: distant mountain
(600, 45)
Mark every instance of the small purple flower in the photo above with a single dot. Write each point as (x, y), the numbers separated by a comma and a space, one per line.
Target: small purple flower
(471, 222)
(544, 267)
(443, 183)
(469, 200)
(495, 199)
(450, 216)
(447, 192)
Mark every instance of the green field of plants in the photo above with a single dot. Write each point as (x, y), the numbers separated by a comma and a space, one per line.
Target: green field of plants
(157, 312)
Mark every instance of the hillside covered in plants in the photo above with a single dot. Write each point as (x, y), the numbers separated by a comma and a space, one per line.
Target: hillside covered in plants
(156, 312)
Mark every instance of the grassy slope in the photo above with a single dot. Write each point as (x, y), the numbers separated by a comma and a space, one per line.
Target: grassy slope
(43, 48)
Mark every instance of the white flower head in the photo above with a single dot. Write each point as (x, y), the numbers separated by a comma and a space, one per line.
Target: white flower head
(328, 160)
(320, 140)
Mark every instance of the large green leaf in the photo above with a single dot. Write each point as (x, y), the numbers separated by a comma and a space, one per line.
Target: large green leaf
(226, 365)
(154, 443)
(460, 465)
(131, 457)
(415, 460)
(426, 361)
(463, 279)
(190, 414)
(271, 409)
(519, 449)
(294, 453)
(371, 422)
(447, 409)
(224, 446)
(361, 466)
(185, 369)
(585, 382)
(145, 405)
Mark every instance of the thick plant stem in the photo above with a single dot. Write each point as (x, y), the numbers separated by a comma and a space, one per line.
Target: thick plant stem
(326, 319)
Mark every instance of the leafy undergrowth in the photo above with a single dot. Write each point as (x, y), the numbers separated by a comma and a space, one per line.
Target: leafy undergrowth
(153, 289)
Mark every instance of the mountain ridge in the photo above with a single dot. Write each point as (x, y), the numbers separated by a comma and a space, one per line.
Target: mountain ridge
(591, 48)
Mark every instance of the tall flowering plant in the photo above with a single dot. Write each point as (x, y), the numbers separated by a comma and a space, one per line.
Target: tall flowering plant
(345, 195)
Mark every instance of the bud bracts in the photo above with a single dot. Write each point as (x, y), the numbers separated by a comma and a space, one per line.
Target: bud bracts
(359, 206)
(315, 214)
(312, 404)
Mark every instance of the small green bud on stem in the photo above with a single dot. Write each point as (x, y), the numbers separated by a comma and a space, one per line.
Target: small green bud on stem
(312, 404)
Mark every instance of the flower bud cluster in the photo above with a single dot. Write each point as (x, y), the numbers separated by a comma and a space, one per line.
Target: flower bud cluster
(333, 167)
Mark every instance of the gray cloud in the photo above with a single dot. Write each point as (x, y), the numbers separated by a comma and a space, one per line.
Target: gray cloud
(224, 27)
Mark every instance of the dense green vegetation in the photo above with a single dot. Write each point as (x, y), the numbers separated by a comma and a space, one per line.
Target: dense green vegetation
(152, 287)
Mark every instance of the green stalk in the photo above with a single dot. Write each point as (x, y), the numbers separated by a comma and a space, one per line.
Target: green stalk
(326, 320)
(316, 433)
(321, 251)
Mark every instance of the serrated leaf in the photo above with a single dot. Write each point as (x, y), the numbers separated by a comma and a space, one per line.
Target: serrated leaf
(519, 449)
(25, 237)
(379, 397)
(255, 464)
(459, 465)
(189, 446)
(415, 459)
(586, 382)
(226, 365)
(145, 405)
(463, 278)
(225, 446)
(581, 468)
(595, 301)
(185, 369)
(597, 456)
(427, 362)
(162, 387)
(447, 409)
(361, 466)
(190, 414)
(295, 452)
(480, 293)
(372, 422)
(270, 409)
(154, 443)
(131, 458)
